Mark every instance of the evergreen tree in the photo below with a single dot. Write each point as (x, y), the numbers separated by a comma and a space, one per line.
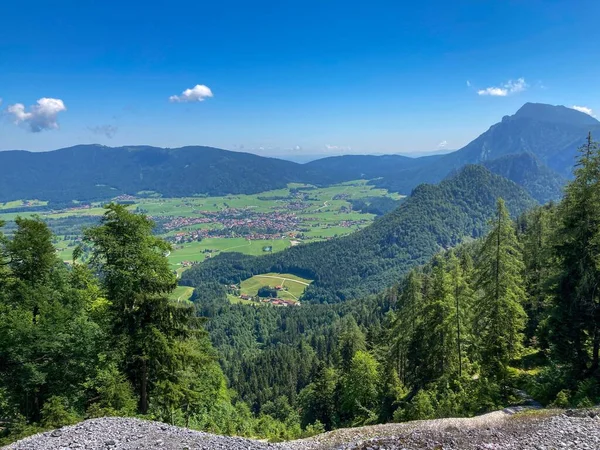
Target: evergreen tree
(351, 340)
(406, 320)
(575, 317)
(535, 235)
(499, 315)
(318, 399)
(157, 338)
(439, 331)
(461, 294)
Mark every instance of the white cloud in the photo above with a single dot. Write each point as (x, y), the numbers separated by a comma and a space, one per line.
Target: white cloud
(41, 116)
(443, 144)
(337, 147)
(198, 93)
(584, 109)
(508, 88)
(468, 83)
(493, 91)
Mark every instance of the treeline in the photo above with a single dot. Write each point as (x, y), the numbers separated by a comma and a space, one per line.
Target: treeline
(372, 259)
(103, 338)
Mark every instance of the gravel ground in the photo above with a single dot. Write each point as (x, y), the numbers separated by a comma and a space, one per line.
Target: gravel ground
(114, 433)
(541, 430)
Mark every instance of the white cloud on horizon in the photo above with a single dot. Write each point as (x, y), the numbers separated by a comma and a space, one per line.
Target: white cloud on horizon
(443, 144)
(508, 88)
(584, 109)
(337, 147)
(198, 93)
(41, 116)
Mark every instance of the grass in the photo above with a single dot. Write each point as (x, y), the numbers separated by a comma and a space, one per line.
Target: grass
(21, 204)
(182, 293)
(322, 218)
(293, 285)
(198, 251)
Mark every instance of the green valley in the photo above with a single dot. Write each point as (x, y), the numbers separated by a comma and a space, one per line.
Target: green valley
(203, 227)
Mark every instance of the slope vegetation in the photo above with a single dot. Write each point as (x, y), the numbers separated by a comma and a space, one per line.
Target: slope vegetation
(433, 218)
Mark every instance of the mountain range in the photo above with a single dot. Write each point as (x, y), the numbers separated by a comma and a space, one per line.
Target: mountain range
(534, 147)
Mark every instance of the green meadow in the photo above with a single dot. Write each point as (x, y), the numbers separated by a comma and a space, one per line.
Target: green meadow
(210, 247)
(326, 210)
(292, 286)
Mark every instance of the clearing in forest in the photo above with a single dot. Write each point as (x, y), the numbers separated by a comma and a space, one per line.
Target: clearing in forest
(286, 286)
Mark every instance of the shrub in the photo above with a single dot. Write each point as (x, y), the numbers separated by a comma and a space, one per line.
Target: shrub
(562, 399)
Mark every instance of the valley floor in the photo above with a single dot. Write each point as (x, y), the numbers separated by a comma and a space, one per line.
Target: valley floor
(541, 429)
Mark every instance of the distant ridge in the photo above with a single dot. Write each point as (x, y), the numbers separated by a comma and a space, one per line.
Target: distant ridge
(94, 172)
(551, 134)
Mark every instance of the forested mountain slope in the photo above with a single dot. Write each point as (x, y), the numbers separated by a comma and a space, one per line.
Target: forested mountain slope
(525, 169)
(89, 172)
(551, 133)
(433, 218)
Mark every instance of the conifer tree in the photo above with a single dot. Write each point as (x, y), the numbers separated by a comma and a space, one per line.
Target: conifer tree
(439, 325)
(536, 237)
(499, 315)
(406, 320)
(461, 294)
(154, 335)
(575, 320)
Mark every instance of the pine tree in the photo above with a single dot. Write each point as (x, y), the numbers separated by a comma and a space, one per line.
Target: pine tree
(351, 340)
(439, 326)
(499, 315)
(406, 320)
(461, 293)
(535, 236)
(575, 319)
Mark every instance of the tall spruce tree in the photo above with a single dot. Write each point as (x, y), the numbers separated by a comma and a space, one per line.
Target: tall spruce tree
(439, 326)
(499, 315)
(405, 322)
(535, 236)
(575, 320)
(461, 294)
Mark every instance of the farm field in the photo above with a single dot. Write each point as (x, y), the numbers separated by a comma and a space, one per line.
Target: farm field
(210, 247)
(203, 227)
(182, 293)
(289, 287)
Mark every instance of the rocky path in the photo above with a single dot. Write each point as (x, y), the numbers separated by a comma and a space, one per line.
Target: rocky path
(540, 430)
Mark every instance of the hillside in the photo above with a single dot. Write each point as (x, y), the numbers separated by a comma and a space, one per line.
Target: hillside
(525, 169)
(551, 133)
(433, 218)
(90, 172)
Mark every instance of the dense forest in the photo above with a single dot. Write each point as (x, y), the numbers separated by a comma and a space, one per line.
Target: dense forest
(468, 332)
(464, 332)
(434, 217)
(103, 338)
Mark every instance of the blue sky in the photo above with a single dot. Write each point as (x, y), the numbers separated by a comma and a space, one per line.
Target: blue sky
(287, 77)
